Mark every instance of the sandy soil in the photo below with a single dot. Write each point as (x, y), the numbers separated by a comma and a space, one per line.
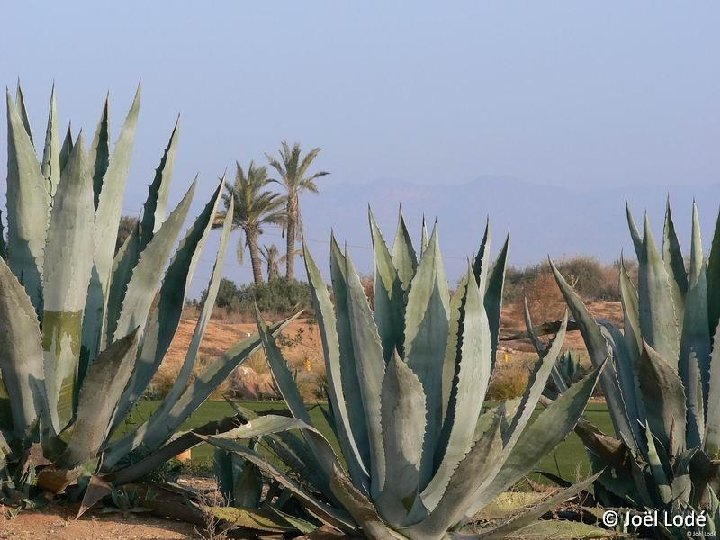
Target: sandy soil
(512, 322)
(58, 523)
(302, 337)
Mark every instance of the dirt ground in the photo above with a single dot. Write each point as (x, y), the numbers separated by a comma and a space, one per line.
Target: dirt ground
(512, 322)
(301, 343)
(304, 351)
(59, 523)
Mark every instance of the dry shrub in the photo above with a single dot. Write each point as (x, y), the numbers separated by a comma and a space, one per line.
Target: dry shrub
(545, 301)
(257, 362)
(227, 315)
(591, 279)
(162, 382)
(509, 381)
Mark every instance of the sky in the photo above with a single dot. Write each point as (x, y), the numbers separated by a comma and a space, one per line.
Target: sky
(582, 95)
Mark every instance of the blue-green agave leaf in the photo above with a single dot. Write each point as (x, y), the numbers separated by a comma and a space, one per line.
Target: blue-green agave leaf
(695, 339)
(3, 246)
(631, 312)
(481, 264)
(190, 250)
(536, 384)
(389, 303)
(424, 237)
(369, 368)
(281, 372)
(124, 263)
(476, 468)
(656, 468)
(21, 355)
(713, 278)
(66, 148)
(152, 218)
(659, 322)
(28, 207)
(50, 166)
(537, 344)
(540, 436)
(467, 395)
(403, 424)
(403, 254)
(626, 367)
(155, 206)
(269, 425)
(110, 199)
(298, 455)
(146, 278)
(104, 383)
(634, 232)
(93, 319)
(712, 418)
(664, 397)
(454, 341)
(426, 333)
(99, 157)
(108, 186)
(166, 309)
(673, 260)
(224, 473)
(355, 501)
(681, 485)
(20, 100)
(600, 351)
(69, 238)
(347, 363)
(346, 407)
(239, 481)
(492, 296)
(560, 381)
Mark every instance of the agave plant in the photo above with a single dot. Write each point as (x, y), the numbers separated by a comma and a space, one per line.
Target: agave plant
(406, 385)
(662, 382)
(82, 331)
(567, 369)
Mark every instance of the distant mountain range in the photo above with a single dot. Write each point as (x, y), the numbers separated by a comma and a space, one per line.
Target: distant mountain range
(541, 220)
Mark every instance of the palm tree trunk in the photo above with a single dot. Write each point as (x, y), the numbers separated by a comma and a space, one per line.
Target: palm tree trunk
(255, 262)
(290, 238)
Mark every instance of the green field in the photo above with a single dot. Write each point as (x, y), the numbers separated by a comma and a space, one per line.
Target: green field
(568, 459)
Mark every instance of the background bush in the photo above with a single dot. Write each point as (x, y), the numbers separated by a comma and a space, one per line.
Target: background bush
(591, 279)
(278, 297)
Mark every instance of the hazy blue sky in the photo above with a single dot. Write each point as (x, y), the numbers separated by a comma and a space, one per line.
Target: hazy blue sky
(566, 93)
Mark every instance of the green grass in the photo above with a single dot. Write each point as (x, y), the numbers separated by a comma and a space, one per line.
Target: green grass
(568, 459)
(214, 410)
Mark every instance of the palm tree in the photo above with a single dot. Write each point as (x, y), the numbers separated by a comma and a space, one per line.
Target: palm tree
(270, 255)
(294, 176)
(254, 206)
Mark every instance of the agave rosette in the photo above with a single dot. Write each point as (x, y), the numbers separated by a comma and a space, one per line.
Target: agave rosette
(662, 383)
(82, 329)
(406, 385)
